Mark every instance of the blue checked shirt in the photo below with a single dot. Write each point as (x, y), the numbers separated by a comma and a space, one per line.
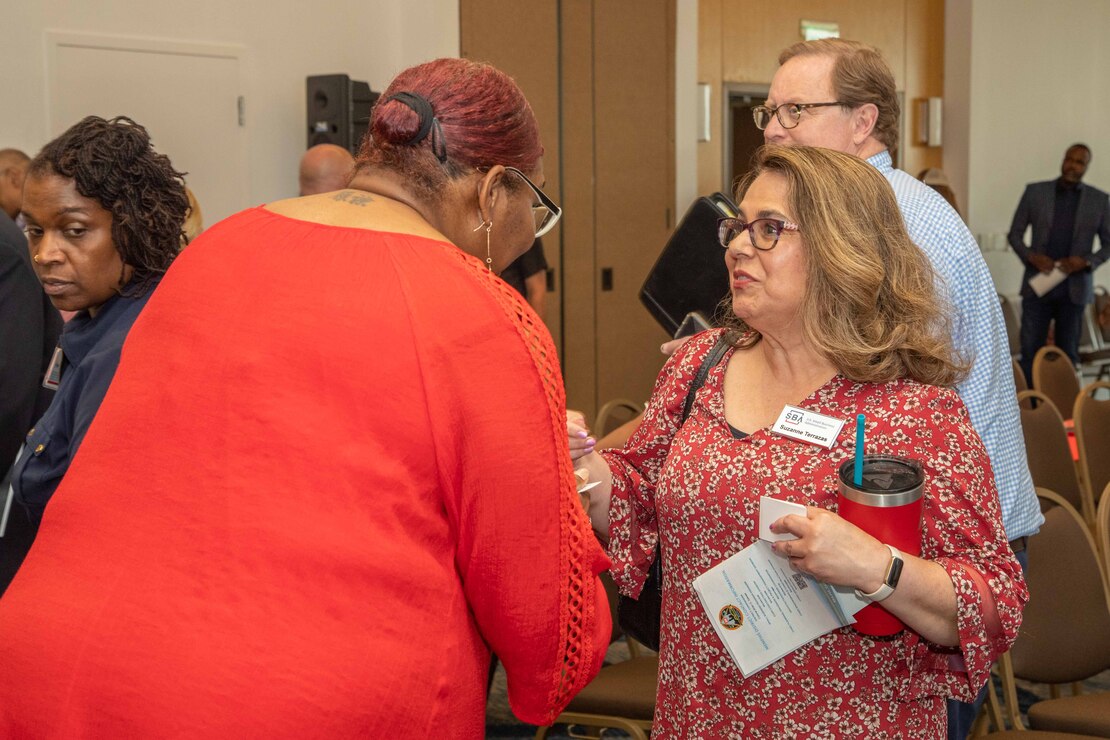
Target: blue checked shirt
(979, 333)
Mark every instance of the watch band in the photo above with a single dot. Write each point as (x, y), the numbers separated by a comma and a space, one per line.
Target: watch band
(890, 581)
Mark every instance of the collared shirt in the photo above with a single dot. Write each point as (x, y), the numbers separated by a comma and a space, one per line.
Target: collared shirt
(92, 350)
(979, 333)
(1063, 220)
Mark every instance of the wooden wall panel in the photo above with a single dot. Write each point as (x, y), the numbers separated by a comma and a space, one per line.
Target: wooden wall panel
(490, 31)
(634, 124)
(756, 31)
(741, 40)
(710, 41)
(579, 234)
(924, 76)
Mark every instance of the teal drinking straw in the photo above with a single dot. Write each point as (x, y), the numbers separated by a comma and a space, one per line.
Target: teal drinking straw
(859, 450)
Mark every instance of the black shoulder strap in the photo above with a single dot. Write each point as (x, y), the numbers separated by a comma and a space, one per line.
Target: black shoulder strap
(708, 362)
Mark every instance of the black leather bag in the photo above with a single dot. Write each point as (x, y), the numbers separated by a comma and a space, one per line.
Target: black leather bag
(639, 618)
(690, 275)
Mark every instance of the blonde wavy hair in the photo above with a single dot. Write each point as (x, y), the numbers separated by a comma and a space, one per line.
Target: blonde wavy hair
(872, 307)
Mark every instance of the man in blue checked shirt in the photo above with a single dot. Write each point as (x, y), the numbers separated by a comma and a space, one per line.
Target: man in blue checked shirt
(840, 95)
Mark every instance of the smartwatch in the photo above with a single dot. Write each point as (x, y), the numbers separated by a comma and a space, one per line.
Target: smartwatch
(890, 581)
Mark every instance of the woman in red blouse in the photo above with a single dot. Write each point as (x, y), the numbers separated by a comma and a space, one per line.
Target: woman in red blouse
(331, 472)
(836, 312)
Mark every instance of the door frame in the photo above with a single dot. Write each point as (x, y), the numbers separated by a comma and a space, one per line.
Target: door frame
(734, 90)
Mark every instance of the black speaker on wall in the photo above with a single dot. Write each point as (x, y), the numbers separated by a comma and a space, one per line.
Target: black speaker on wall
(338, 110)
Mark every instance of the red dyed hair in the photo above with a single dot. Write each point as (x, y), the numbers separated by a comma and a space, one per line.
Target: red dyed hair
(483, 115)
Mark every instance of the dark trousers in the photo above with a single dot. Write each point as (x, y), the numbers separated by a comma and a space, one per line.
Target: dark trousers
(1037, 314)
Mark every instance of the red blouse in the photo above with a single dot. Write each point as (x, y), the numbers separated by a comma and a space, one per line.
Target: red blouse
(330, 474)
(698, 487)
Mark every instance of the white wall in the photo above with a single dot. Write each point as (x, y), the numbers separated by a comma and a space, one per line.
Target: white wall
(286, 40)
(1037, 75)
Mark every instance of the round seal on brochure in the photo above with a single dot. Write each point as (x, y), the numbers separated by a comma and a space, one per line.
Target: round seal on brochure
(730, 617)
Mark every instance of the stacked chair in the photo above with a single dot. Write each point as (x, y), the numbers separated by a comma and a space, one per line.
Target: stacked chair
(1091, 415)
(613, 414)
(1102, 529)
(1013, 326)
(621, 696)
(1046, 446)
(1020, 381)
(1096, 349)
(1055, 376)
(1065, 631)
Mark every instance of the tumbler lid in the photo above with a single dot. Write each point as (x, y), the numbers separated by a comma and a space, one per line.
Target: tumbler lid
(887, 481)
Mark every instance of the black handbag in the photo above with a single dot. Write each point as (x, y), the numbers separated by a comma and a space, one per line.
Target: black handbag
(639, 618)
(689, 276)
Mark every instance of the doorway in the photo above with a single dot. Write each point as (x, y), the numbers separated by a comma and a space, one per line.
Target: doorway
(742, 138)
(187, 95)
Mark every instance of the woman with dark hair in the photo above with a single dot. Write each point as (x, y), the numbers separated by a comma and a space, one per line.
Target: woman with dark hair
(103, 214)
(835, 312)
(332, 472)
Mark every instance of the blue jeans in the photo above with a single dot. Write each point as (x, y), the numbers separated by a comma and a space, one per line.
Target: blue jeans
(961, 715)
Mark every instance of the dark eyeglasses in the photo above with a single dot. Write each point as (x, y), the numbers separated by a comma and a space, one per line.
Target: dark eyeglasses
(546, 213)
(788, 114)
(763, 232)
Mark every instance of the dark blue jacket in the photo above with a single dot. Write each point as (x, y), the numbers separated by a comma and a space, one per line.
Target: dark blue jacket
(92, 349)
(1036, 209)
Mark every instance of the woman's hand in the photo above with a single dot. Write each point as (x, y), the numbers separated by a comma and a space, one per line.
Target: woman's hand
(581, 443)
(832, 549)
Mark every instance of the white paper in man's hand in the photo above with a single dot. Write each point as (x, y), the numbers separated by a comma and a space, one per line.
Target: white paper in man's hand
(1041, 283)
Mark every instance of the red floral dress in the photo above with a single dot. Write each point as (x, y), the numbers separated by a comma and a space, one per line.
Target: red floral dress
(697, 488)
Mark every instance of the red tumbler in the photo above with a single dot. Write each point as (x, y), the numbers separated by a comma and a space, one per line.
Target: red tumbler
(888, 507)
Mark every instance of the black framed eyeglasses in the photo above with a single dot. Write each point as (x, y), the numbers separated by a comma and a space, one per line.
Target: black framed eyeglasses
(789, 114)
(763, 232)
(546, 213)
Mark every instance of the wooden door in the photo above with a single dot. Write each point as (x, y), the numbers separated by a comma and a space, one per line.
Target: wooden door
(186, 95)
(525, 45)
(600, 75)
(633, 123)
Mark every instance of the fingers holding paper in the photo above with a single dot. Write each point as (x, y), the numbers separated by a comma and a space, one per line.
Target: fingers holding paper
(832, 549)
(836, 551)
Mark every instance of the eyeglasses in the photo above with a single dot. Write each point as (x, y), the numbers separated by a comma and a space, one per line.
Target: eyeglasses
(546, 213)
(793, 114)
(763, 232)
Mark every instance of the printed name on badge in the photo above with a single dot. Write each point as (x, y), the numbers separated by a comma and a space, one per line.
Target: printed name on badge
(808, 426)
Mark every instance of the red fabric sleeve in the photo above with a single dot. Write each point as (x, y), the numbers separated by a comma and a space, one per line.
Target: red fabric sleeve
(524, 547)
(633, 531)
(963, 533)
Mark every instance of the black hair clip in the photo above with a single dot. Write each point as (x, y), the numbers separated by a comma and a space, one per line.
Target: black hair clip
(428, 122)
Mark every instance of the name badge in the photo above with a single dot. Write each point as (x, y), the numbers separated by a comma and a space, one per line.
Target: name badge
(808, 426)
(54, 370)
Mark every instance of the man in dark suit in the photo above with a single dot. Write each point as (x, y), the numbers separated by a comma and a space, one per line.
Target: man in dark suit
(1065, 215)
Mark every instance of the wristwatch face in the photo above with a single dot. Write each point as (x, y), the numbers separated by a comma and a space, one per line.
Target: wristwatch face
(894, 572)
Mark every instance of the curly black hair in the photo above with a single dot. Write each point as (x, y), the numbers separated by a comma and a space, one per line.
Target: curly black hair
(113, 163)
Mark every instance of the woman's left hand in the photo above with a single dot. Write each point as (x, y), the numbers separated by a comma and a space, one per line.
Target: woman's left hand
(832, 549)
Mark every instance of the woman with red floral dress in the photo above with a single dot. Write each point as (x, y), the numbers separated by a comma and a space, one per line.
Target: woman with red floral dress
(838, 314)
